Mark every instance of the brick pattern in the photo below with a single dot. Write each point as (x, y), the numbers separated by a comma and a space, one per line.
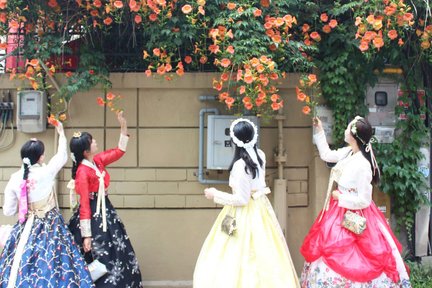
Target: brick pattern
(169, 188)
(179, 188)
(159, 169)
(297, 187)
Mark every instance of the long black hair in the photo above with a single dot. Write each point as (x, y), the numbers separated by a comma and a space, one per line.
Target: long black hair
(362, 136)
(32, 150)
(78, 145)
(245, 132)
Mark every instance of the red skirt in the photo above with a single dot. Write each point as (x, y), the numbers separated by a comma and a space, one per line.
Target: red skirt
(360, 258)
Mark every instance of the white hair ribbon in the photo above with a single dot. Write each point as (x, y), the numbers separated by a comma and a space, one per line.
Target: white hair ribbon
(249, 146)
(72, 155)
(369, 149)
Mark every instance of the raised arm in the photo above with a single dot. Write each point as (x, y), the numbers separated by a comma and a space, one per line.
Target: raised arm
(112, 155)
(325, 152)
(60, 158)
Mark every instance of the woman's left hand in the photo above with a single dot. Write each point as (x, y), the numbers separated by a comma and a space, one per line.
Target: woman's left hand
(336, 194)
(209, 193)
(59, 128)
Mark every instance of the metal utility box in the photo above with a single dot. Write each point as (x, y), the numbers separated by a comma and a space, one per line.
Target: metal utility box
(381, 101)
(220, 149)
(31, 111)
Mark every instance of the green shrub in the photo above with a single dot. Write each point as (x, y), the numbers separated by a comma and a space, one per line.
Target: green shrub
(421, 275)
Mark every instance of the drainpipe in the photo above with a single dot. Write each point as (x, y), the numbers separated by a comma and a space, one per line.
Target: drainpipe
(201, 178)
(280, 184)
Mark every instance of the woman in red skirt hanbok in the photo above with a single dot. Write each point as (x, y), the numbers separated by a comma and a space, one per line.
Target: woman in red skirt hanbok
(336, 256)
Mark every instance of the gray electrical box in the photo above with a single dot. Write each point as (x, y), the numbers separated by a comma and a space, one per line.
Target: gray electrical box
(220, 149)
(381, 101)
(31, 111)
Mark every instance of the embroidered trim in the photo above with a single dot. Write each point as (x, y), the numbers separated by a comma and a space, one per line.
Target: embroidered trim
(85, 227)
(123, 141)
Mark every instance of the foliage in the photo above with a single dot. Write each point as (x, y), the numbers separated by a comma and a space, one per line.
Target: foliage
(252, 43)
(370, 37)
(396, 34)
(309, 93)
(112, 102)
(421, 275)
(401, 177)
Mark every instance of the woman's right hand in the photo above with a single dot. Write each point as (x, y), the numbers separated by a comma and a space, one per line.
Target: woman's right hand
(209, 193)
(317, 124)
(87, 244)
(123, 124)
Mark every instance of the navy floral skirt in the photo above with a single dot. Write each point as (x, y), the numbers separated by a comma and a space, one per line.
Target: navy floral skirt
(51, 258)
(112, 248)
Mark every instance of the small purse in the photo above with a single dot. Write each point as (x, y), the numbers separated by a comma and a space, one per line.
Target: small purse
(97, 270)
(354, 222)
(229, 225)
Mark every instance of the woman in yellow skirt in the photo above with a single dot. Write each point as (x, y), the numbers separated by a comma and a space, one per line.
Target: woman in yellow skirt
(252, 253)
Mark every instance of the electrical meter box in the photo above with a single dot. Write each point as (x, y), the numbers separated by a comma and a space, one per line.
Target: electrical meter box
(220, 149)
(31, 111)
(326, 116)
(381, 101)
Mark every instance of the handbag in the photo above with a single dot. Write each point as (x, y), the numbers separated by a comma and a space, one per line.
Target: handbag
(354, 222)
(97, 270)
(229, 225)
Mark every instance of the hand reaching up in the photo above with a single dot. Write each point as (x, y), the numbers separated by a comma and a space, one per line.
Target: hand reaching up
(123, 124)
(317, 124)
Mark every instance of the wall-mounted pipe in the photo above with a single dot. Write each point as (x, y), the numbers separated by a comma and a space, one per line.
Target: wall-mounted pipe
(201, 178)
(204, 98)
(280, 184)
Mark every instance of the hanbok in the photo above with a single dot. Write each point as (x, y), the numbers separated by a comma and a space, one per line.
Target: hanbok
(257, 255)
(97, 218)
(41, 251)
(337, 257)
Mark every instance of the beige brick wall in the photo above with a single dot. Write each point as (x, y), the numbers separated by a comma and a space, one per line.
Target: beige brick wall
(155, 187)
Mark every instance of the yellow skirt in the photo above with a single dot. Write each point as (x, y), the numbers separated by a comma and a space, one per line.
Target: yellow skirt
(256, 256)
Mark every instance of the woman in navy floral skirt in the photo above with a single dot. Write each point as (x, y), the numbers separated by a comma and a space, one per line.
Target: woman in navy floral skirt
(96, 225)
(40, 251)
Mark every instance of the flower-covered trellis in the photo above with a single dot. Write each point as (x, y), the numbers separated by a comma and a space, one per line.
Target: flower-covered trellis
(252, 43)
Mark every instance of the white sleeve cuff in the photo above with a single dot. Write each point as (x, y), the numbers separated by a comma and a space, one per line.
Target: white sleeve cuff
(320, 137)
(222, 198)
(85, 227)
(123, 141)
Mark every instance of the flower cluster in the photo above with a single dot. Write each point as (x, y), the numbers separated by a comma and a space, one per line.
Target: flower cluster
(252, 84)
(112, 102)
(308, 93)
(252, 43)
(55, 119)
(249, 81)
(311, 35)
(391, 18)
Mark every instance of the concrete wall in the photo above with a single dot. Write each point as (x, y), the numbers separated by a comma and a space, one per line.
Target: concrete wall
(155, 187)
